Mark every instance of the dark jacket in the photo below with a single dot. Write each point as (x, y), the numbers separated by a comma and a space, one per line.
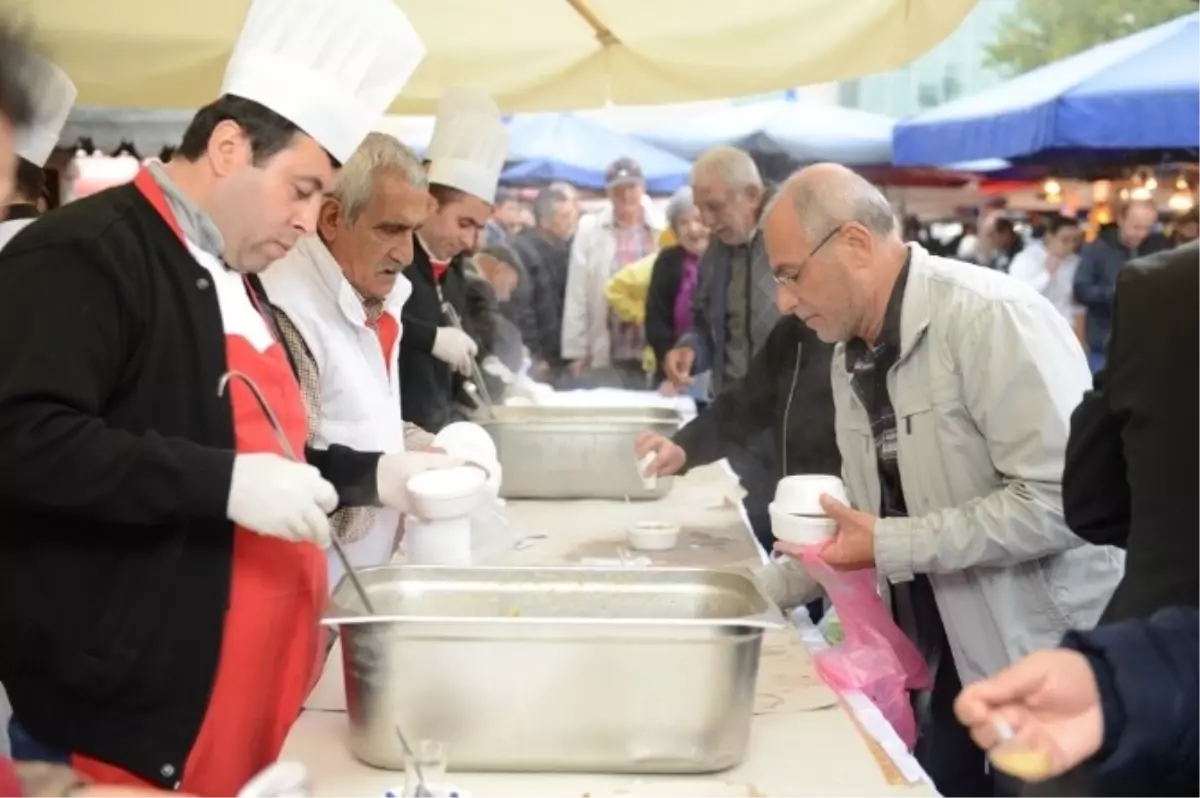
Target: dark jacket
(787, 392)
(538, 301)
(1146, 675)
(498, 336)
(116, 458)
(665, 279)
(1096, 278)
(1131, 466)
(431, 393)
(710, 305)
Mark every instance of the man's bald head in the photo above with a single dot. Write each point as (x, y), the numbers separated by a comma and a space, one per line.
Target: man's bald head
(834, 247)
(729, 192)
(826, 195)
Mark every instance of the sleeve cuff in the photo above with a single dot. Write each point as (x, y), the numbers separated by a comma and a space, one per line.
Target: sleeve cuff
(894, 549)
(1111, 708)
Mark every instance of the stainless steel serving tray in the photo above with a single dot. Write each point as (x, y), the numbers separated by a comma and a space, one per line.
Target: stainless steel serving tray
(555, 669)
(576, 452)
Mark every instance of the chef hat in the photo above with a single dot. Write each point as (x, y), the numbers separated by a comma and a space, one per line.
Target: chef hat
(469, 143)
(331, 67)
(53, 96)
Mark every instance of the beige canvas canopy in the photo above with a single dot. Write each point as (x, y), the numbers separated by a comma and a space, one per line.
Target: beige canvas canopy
(531, 55)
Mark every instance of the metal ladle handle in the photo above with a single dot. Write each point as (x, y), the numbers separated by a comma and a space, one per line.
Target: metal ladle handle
(286, 445)
(476, 372)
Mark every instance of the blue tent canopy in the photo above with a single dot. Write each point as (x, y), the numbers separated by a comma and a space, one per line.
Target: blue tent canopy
(1137, 97)
(801, 131)
(548, 147)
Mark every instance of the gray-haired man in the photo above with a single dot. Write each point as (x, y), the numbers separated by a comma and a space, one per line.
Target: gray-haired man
(338, 297)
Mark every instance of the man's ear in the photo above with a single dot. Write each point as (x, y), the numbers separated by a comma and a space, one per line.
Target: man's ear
(228, 148)
(329, 219)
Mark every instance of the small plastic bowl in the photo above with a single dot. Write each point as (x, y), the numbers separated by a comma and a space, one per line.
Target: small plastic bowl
(653, 536)
(466, 440)
(801, 494)
(448, 492)
(802, 529)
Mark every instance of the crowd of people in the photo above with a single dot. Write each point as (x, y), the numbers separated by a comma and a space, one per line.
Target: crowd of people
(253, 344)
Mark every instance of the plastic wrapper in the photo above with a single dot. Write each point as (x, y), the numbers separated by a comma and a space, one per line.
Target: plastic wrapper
(874, 657)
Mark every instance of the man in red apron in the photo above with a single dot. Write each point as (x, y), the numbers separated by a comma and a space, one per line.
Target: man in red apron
(160, 589)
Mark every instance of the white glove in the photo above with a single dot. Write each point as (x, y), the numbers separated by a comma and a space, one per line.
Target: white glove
(395, 470)
(455, 348)
(276, 497)
(787, 583)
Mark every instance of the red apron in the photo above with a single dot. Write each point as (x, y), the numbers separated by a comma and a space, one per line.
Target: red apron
(271, 645)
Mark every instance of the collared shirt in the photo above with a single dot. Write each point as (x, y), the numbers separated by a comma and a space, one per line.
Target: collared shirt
(913, 602)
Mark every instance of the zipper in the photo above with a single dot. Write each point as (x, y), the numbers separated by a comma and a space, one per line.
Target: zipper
(787, 408)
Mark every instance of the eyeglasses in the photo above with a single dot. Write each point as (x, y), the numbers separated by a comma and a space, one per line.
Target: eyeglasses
(792, 276)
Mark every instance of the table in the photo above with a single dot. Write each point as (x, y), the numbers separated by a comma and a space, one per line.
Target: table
(803, 740)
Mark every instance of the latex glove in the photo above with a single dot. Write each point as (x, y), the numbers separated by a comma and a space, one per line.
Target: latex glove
(787, 583)
(395, 470)
(455, 348)
(279, 498)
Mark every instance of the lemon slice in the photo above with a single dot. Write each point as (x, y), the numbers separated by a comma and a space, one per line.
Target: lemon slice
(1020, 762)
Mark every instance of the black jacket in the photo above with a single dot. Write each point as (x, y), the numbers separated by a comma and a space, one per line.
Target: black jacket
(541, 298)
(116, 458)
(431, 393)
(1146, 675)
(787, 390)
(660, 305)
(1131, 465)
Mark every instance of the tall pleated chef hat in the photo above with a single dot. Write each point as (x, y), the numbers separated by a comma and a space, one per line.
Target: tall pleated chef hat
(53, 96)
(469, 143)
(331, 67)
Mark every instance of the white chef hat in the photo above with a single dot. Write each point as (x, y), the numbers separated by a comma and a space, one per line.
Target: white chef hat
(53, 96)
(469, 143)
(331, 67)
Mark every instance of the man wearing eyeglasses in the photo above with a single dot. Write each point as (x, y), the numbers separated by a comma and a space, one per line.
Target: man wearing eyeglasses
(952, 390)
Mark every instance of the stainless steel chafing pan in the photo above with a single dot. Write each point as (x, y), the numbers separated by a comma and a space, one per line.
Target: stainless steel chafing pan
(555, 669)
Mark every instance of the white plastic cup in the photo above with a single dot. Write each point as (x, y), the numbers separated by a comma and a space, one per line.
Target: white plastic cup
(649, 481)
(445, 542)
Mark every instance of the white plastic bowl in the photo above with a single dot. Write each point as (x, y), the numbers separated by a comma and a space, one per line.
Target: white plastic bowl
(448, 492)
(466, 440)
(802, 529)
(801, 495)
(653, 536)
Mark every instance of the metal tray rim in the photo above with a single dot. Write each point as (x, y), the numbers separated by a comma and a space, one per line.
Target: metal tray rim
(770, 618)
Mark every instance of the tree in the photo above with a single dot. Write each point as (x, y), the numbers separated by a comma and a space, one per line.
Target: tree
(1039, 32)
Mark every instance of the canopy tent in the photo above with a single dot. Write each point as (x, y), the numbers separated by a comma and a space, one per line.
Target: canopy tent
(531, 55)
(803, 132)
(1136, 98)
(548, 147)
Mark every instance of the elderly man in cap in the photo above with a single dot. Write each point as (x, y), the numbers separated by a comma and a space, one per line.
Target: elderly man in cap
(952, 391)
(54, 95)
(438, 350)
(162, 575)
(595, 342)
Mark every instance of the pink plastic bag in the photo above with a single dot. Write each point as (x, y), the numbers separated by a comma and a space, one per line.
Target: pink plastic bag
(876, 657)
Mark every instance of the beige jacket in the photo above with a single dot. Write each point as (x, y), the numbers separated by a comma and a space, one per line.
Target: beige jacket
(983, 390)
